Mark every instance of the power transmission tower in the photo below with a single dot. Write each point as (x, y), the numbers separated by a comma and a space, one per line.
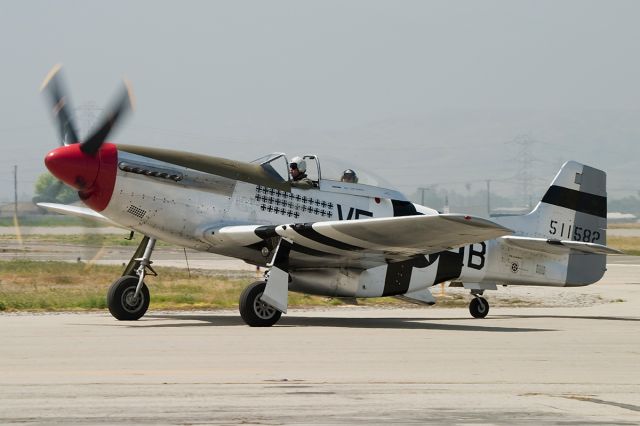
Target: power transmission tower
(523, 160)
(488, 198)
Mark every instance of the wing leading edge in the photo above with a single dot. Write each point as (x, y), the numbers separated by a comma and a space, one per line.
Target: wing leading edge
(364, 243)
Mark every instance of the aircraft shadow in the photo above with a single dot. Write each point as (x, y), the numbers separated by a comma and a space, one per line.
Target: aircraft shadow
(302, 321)
(587, 317)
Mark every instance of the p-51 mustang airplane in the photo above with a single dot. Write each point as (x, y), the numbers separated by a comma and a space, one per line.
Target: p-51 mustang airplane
(340, 239)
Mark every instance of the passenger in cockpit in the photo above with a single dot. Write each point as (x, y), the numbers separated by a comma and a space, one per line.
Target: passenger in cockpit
(349, 176)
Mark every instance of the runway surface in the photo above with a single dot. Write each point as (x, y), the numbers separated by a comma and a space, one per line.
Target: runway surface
(529, 366)
(113, 255)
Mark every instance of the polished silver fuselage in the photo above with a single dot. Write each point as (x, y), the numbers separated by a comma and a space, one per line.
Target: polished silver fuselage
(190, 211)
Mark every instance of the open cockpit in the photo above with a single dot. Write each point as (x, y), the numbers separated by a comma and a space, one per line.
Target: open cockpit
(332, 175)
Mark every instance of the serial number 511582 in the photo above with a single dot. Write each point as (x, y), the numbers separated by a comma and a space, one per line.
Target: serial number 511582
(576, 233)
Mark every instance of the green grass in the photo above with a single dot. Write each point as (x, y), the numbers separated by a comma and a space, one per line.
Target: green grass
(60, 286)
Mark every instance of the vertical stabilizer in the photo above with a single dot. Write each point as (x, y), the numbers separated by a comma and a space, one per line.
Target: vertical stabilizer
(574, 208)
(575, 205)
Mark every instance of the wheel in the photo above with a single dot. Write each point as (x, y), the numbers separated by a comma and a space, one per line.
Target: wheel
(479, 307)
(254, 311)
(120, 299)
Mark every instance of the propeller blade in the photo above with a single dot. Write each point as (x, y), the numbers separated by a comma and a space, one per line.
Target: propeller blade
(60, 105)
(119, 109)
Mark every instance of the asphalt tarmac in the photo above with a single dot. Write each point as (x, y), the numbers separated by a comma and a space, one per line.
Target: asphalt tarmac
(573, 365)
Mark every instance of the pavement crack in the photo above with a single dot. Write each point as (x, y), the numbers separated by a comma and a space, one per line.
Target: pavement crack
(630, 407)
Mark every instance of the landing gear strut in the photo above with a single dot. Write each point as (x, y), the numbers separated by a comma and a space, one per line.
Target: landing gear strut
(128, 297)
(478, 307)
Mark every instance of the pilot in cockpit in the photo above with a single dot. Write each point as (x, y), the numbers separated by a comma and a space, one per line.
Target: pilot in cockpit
(298, 168)
(349, 176)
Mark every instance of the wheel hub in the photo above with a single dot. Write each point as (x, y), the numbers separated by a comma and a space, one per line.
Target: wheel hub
(262, 309)
(130, 302)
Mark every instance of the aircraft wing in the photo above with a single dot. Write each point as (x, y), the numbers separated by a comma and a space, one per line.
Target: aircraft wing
(78, 211)
(558, 246)
(362, 243)
(371, 242)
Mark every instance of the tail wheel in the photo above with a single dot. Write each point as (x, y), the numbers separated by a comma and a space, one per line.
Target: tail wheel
(479, 307)
(254, 311)
(122, 302)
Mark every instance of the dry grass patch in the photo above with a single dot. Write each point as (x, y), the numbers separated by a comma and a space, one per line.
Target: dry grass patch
(624, 225)
(629, 245)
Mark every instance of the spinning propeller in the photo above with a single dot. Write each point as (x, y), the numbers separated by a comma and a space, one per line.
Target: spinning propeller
(54, 88)
(88, 166)
(77, 162)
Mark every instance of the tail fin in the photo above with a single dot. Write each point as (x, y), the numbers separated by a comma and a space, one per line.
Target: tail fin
(575, 205)
(574, 208)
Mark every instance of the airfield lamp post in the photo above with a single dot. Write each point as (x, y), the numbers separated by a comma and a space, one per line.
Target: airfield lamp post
(15, 191)
(144, 262)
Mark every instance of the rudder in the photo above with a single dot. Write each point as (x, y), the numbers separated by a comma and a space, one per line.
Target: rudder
(575, 205)
(573, 208)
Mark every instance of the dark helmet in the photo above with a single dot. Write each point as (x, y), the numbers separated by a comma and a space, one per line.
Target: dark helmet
(349, 176)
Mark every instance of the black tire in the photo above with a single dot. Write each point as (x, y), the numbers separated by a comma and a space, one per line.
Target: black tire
(255, 312)
(479, 307)
(119, 299)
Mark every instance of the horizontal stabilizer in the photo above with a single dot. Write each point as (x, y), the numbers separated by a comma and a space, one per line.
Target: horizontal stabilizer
(78, 211)
(557, 246)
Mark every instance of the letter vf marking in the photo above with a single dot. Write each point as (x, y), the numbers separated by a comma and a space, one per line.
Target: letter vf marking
(350, 214)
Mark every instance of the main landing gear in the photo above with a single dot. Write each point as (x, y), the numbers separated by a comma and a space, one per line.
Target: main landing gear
(254, 311)
(478, 307)
(128, 297)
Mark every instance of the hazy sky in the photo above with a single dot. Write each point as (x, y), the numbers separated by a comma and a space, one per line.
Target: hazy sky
(242, 78)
